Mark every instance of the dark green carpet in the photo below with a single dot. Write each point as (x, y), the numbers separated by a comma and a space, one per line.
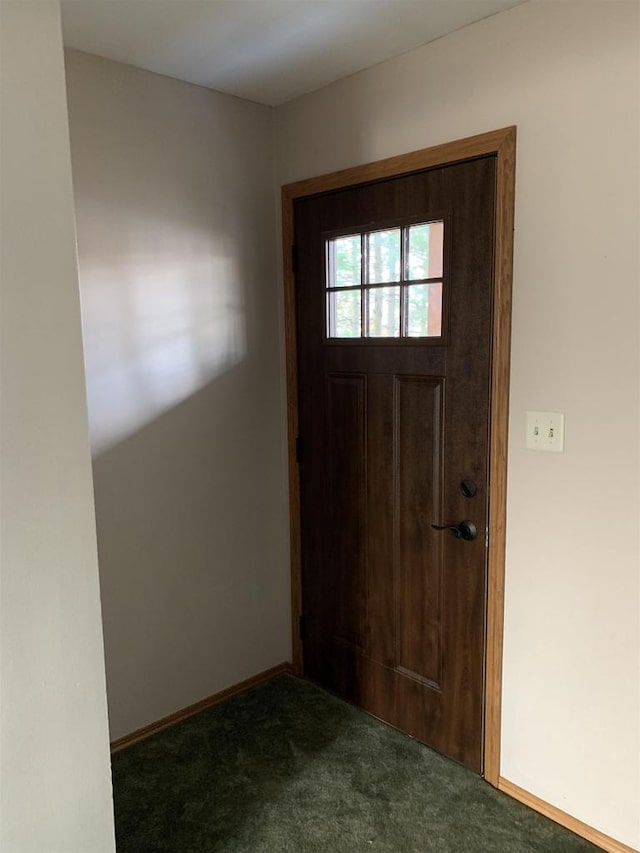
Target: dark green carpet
(286, 767)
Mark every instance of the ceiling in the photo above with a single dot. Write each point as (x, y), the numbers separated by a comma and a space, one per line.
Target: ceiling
(268, 51)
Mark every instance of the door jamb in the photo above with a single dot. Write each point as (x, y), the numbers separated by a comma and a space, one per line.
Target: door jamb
(502, 144)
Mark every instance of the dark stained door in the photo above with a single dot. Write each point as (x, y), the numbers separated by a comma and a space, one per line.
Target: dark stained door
(394, 298)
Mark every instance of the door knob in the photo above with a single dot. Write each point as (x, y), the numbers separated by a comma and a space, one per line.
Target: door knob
(465, 530)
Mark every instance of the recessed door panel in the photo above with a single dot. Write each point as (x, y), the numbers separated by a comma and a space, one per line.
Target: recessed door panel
(345, 582)
(418, 407)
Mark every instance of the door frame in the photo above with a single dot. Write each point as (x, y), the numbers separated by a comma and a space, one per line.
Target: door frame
(502, 144)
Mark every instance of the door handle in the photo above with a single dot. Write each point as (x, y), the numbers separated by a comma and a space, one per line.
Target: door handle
(465, 530)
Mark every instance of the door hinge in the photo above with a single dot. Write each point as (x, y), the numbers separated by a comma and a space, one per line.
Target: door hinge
(298, 450)
(303, 626)
(294, 258)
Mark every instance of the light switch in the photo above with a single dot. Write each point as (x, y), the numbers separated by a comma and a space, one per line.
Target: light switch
(545, 431)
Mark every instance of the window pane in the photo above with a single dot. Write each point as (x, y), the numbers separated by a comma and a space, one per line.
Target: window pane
(384, 312)
(384, 256)
(424, 310)
(424, 250)
(344, 313)
(345, 255)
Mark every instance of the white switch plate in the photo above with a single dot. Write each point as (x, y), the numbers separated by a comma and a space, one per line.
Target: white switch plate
(545, 431)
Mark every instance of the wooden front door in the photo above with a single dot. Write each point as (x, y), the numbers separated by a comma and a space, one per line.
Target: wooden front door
(394, 286)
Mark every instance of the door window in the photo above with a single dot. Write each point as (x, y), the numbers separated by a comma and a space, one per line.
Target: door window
(385, 283)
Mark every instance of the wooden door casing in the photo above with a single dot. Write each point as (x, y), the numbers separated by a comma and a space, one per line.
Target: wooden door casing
(501, 143)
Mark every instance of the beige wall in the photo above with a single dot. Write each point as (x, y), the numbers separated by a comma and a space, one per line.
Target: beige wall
(567, 74)
(55, 786)
(176, 239)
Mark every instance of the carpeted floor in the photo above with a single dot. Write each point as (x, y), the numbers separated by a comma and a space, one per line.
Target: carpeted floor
(287, 768)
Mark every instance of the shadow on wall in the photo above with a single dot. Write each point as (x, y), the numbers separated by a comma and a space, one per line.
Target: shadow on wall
(173, 188)
(184, 415)
(174, 201)
(157, 328)
(181, 356)
(192, 553)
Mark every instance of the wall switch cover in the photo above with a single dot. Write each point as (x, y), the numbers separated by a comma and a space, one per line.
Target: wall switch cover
(545, 431)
